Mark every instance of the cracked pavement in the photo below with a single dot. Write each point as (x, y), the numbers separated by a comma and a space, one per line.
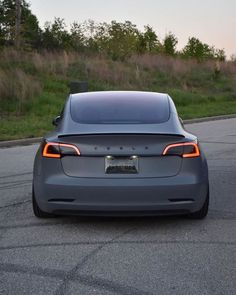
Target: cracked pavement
(154, 255)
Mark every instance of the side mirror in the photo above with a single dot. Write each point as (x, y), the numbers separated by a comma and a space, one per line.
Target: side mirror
(56, 120)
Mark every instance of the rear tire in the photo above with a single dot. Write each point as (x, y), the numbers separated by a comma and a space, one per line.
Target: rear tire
(37, 211)
(202, 213)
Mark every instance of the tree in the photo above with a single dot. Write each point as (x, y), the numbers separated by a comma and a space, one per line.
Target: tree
(7, 21)
(2, 29)
(122, 39)
(151, 39)
(17, 24)
(148, 41)
(77, 36)
(31, 34)
(55, 36)
(196, 49)
(170, 43)
(220, 54)
(90, 29)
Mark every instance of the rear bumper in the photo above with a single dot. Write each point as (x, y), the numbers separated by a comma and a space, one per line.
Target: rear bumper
(61, 194)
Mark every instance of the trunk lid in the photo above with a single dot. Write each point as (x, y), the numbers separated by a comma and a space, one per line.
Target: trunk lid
(95, 148)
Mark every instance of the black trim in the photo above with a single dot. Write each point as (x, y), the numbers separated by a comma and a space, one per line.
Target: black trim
(121, 213)
(112, 133)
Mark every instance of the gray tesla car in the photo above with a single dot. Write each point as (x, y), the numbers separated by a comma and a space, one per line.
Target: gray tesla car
(120, 153)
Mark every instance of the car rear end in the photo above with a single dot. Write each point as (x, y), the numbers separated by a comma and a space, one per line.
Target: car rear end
(129, 171)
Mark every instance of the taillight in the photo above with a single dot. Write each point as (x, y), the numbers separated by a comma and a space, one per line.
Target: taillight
(185, 150)
(57, 150)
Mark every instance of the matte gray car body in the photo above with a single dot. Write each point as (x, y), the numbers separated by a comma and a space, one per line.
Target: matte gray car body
(80, 184)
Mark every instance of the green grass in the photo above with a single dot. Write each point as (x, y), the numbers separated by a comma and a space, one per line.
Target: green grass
(197, 93)
(39, 113)
(38, 121)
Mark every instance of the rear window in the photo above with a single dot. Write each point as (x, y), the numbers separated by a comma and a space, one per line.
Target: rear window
(120, 109)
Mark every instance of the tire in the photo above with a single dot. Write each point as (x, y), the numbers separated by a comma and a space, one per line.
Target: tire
(37, 211)
(202, 213)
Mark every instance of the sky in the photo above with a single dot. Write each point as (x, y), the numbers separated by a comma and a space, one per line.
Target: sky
(212, 21)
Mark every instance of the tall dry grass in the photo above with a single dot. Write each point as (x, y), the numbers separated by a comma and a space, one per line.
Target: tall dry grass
(117, 74)
(171, 65)
(53, 63)
(23, 74)
(16, 89)
(188, 73)
(229, 68)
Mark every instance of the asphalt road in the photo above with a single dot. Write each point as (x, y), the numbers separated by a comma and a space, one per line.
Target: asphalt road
(121, 256)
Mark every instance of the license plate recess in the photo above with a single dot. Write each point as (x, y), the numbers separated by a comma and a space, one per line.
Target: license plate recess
(121, 165)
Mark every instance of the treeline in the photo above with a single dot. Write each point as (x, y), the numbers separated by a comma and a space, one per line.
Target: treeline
(118, 40)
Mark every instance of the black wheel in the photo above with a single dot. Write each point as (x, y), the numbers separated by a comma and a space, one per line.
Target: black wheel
(37, 211)
(202, 213)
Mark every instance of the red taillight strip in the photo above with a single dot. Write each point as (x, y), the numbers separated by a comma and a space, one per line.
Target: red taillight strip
(191, 155)
(50, 155)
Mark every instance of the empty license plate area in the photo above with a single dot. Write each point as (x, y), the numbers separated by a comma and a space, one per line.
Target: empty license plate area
(126, 165)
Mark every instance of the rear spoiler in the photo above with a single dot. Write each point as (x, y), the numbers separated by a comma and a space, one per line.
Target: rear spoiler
(121, 133)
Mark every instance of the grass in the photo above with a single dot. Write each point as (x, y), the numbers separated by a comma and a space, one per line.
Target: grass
(33, 86)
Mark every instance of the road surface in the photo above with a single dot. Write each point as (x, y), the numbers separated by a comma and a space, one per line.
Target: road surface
(168, 255)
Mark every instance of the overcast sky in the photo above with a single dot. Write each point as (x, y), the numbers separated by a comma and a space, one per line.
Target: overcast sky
(212, 21)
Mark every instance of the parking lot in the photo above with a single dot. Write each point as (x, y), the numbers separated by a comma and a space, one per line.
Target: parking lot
(155, 255)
